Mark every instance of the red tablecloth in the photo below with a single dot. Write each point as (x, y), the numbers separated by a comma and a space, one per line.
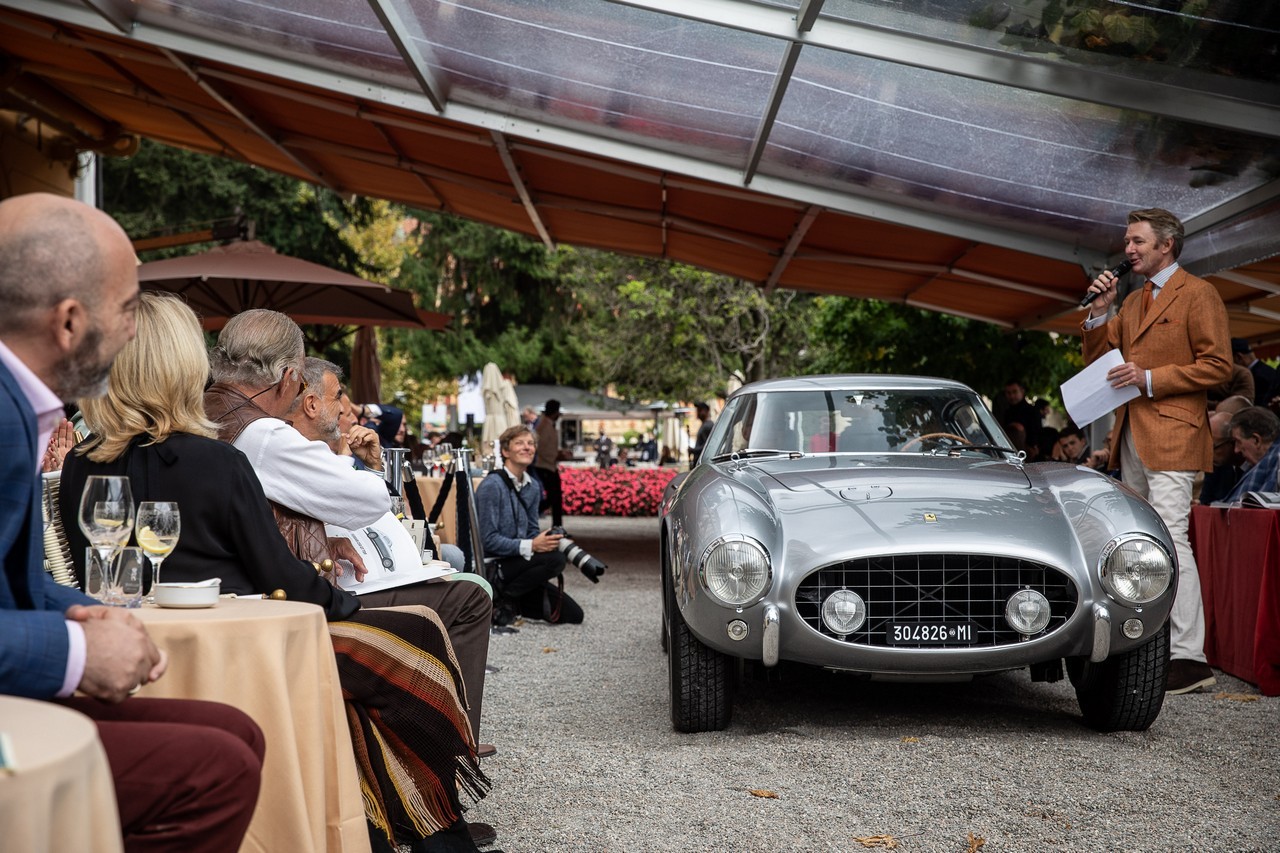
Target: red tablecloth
(1238, 554)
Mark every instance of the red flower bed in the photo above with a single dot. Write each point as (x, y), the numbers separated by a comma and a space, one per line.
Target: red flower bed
(614, 491)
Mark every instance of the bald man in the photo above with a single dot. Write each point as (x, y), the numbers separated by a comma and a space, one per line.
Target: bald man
(186, 773)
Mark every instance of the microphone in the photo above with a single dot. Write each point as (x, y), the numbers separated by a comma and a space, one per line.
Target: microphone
(1117, 271)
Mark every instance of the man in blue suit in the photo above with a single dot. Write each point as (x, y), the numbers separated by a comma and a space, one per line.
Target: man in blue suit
(186, 773)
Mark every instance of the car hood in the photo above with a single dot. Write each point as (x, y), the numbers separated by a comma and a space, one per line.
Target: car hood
(937, 477)
(844, 507)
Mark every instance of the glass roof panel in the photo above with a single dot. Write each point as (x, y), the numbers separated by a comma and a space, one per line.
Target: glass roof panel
(1012, 157)
(343, 33)
(1234, 40)
(617, 71)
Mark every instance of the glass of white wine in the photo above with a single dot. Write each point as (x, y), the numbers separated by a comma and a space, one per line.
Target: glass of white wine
(159, 524)
(106, 519)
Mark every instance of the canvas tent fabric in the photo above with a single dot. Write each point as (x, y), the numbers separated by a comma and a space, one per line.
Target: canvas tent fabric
(222, 282)
(917, 152)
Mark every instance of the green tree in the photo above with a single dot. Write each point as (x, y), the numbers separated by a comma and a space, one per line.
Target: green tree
(507, 299)
(164, 189)
(665, 330)
(867, 336)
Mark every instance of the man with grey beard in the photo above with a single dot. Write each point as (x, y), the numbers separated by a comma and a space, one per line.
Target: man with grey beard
(186, 773)
(464, 608)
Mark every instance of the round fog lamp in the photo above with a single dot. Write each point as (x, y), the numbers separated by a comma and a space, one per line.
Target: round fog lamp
(844, 611)
(1132, 628)
(1027, 611)
(737, 630)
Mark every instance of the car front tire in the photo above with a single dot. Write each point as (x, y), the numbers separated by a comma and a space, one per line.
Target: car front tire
(701, 699)
(1125, 692)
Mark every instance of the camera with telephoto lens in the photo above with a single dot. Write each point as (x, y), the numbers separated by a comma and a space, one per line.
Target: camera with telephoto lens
(590, 566)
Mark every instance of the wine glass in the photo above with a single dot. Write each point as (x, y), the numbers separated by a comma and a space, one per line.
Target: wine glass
(444, 455)
(159, 524)
(106, 519)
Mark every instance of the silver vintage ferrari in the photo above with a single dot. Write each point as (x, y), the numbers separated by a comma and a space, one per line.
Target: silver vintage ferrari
(884, 525)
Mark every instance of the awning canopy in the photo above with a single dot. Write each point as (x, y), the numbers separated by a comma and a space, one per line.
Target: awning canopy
(974, 162)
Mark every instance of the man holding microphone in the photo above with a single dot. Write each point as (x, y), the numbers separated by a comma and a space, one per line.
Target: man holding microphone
(1175, 343)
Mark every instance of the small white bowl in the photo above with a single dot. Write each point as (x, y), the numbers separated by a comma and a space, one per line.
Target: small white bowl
(187, 595)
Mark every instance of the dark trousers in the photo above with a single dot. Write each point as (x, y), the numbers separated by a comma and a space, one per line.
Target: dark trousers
(186, 772)
(550, 478)
(529, 586)
(467, 612)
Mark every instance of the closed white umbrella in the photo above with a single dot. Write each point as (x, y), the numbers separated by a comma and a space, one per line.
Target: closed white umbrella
(510, 403)
(495, 414)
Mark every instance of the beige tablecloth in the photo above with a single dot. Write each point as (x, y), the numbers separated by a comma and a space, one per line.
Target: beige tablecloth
(447, 523)
(60, 797)
(274, 661)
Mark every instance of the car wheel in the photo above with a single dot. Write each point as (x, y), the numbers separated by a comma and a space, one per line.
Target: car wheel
(701, 698)
(1125, 692)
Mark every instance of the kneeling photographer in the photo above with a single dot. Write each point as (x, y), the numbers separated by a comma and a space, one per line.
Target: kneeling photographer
(522, 562)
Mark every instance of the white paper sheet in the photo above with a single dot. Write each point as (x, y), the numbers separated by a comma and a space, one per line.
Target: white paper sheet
(405, 557)
(1088, 395)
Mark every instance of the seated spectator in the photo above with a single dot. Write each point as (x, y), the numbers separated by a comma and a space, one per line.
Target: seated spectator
(464, 608)
(1234, 404)
(1254, 432)
(522, 561)
(412, 737)
(311, 487)
(1073, 446)
(668, 456)
(186, 773)
(1227, 470)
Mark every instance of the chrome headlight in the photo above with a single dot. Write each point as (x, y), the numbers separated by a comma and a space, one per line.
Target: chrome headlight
(1135, 569)
(736, 571)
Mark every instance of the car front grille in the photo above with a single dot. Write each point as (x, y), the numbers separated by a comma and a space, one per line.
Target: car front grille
(936, 590)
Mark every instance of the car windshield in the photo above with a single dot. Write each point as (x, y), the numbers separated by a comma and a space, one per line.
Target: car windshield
(856, 421)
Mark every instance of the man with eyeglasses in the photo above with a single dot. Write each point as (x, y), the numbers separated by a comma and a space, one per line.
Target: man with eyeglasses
(258, 374)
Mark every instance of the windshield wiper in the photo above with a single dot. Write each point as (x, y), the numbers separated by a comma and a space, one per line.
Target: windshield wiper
(957, 448)
(756, 452)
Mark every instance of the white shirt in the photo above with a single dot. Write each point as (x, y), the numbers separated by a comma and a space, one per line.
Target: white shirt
(309, 478)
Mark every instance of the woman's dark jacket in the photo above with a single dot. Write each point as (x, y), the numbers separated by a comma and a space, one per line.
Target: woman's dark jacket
(228, 531)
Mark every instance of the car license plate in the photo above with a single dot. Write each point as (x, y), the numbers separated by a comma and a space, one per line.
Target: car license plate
(931, 634)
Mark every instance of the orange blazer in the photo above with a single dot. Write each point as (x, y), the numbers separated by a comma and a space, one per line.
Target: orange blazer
(1185, 344)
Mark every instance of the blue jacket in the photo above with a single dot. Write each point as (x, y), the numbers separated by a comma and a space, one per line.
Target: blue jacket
(33, 638)
(505, 515)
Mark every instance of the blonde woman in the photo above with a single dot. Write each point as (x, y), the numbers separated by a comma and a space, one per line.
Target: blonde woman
(151, 427)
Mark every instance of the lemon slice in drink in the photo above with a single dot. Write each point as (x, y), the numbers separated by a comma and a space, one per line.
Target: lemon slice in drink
(150, 542)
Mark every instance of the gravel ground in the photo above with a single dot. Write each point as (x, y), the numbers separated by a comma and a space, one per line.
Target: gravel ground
(587, 759)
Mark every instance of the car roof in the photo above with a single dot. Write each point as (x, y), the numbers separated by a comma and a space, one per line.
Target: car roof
(853, 382)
